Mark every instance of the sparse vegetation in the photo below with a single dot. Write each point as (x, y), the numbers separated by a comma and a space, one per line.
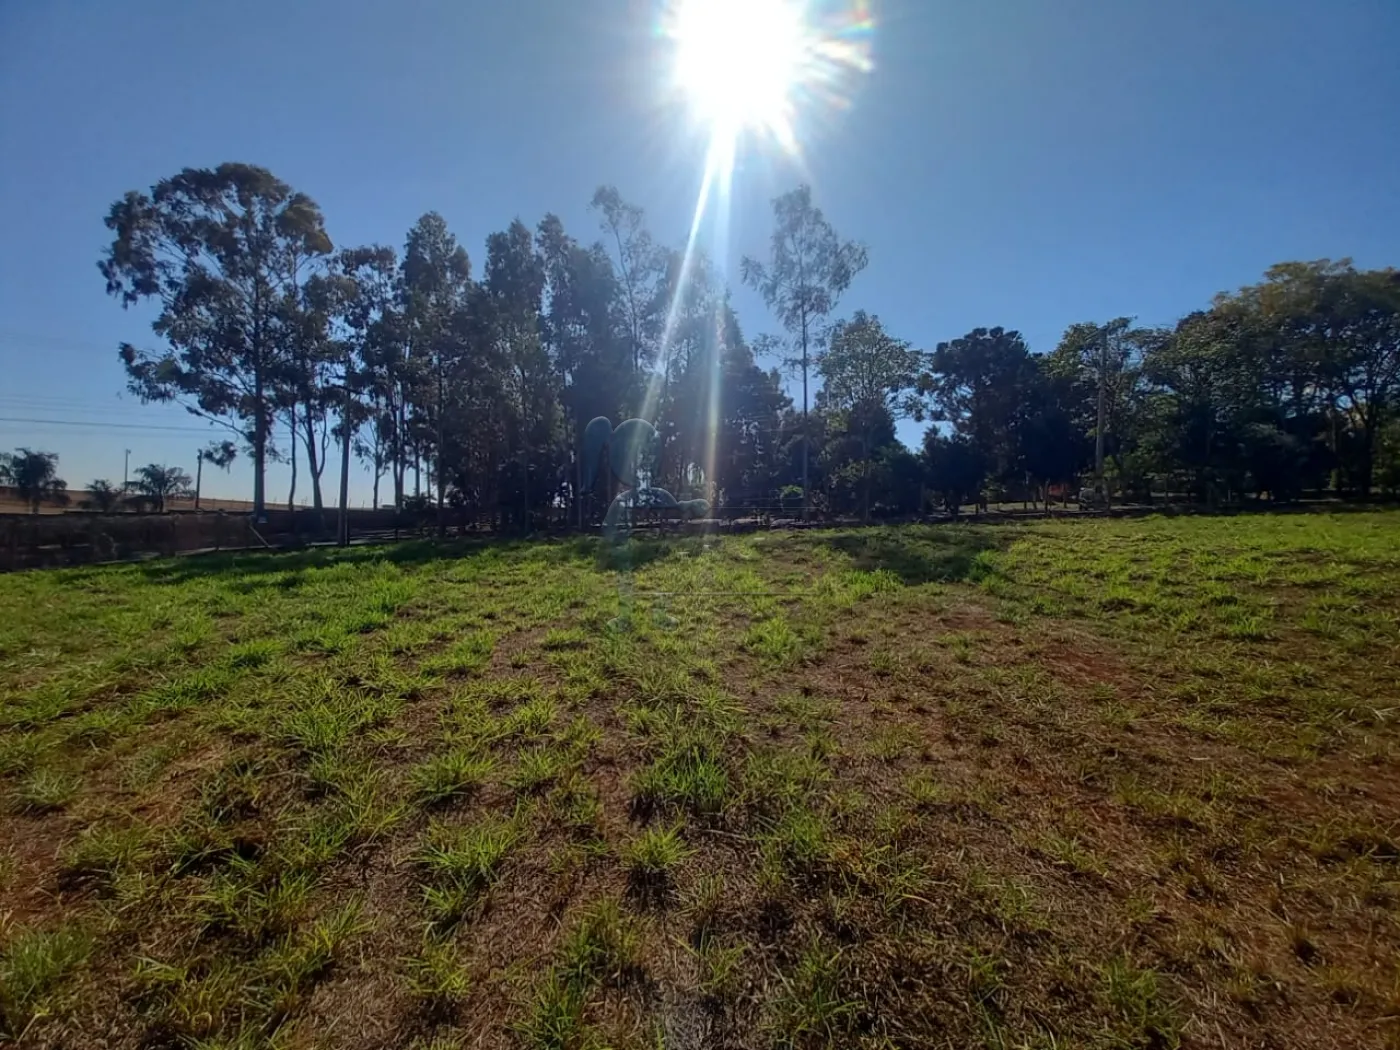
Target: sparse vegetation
(1090, 783)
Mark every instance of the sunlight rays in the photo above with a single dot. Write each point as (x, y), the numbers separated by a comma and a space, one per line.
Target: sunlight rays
(750, 71)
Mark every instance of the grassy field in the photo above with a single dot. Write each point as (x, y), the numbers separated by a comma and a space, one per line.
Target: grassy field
(1074, 784)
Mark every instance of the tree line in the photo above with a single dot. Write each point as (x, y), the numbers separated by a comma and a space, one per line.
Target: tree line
(34, 477)
(470, 389)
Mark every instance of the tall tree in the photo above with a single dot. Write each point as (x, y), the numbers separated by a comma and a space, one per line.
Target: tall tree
(686, 384)
(587, 343)
(304, 391)
(955, 469)
(34, 476)
(211, 246)
(1097, 365)
(1051, 447)
(1388, 458)
(159, 483)
(358, 298)
(640, 267)
(748, 453)
(1342, 326)
(1196, 405)
(980, 385)
(869, 375)
(103, 496)
(809, 269)
(513, 302)
(435, 287)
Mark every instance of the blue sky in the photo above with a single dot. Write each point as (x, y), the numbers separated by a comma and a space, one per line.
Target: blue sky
(1025, 163)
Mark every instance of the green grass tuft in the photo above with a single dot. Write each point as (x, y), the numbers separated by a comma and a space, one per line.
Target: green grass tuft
(35, 969)
(653, 857)
(455, 774)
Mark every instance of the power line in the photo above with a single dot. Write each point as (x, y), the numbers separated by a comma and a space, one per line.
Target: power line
(51, 413)
(114, 426)
(70, 399)
(68, 407)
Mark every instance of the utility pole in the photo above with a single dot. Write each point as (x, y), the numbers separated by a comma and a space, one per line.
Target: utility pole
(126, 468)
(198, 476)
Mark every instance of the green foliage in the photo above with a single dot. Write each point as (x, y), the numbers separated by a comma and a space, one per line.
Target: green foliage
(538, 768)
(554, 1020)
(653, 856)
(103, 496)
(689, 773)
(34, 475)
(774, 640)
(1135, 995)
(603, 947)
(459, 864)
(990, 729)
(248, 900)
(159, 483)
(34, 968)
(208, 245)
(955, 468)
(868, 377)
(47, 788)
(102, 853)
(810, 268)
(435, 975)
(451, 775)
(810, 1008)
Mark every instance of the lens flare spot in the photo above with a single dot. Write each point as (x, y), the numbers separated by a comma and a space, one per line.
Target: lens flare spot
(759, 65)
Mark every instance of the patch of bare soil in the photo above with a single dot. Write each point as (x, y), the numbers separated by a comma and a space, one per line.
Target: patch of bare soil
(30, 874)
(1136, 837)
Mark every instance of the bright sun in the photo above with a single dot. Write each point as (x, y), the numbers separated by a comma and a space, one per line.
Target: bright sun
(740, 62)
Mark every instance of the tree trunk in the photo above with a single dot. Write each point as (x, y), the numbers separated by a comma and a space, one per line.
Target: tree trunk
(292, 492)
(378, 459)
(525, 473)
(865, 448)
(259, 448)
(805, 441)
(317, 465)
(400, 453)
(343, 532)
(1368, 448)
(441, 474)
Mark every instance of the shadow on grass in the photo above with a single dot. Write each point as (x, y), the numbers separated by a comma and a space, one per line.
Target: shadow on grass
(923, 553)
(407, 553)
(639, 552)
(249, 565)
(915, 553)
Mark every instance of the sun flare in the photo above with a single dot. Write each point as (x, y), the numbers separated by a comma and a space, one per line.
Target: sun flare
(739, 62)
(757, 66)
(753, 73)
